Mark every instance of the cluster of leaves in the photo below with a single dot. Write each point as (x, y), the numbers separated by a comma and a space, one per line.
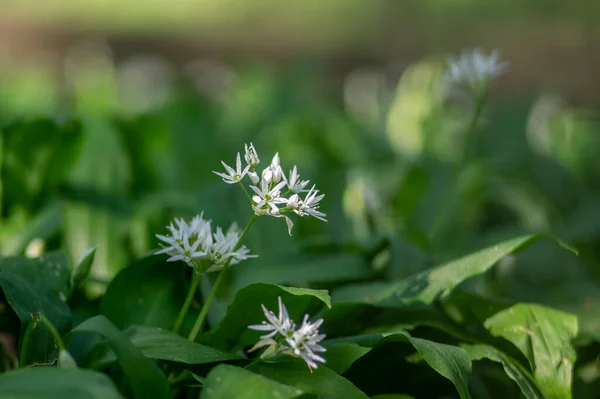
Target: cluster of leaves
(402, 319)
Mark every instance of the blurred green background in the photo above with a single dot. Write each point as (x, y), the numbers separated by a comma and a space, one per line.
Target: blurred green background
(114, 113)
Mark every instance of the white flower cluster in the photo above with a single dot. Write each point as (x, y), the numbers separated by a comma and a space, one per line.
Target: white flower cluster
(197, 245)
(274, 192)
(474, 69)
(284, 338)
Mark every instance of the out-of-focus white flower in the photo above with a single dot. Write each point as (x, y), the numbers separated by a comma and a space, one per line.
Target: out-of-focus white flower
(284, 338)
(474, 69)
(251, 156)
(267, 185)
(200, 248)
(233, 175)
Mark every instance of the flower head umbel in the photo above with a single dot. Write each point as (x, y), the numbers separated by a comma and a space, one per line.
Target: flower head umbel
(201, 248)
(475, 70)
(274, 193)
(233, 175)
(284, 338)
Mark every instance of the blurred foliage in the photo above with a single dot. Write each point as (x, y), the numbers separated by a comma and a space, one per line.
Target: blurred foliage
(109, 158)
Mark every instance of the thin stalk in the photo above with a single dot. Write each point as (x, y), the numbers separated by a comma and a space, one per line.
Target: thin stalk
(245, 191)
(25, 344)
(204, 311)
(188, 301)
(469, 137)
(54, 332)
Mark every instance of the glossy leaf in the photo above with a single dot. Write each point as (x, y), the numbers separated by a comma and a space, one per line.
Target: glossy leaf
(156, 343)
(432, 284)
(544, 336)
(145, 379)
(82, 267)
(324, 382)
(56, 383)
(230, 382)
(38, 286)
(512, 368)
(149, 292)
(449, 361)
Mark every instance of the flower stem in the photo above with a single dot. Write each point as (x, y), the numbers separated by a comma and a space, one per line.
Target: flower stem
(53, 331)
(468, 138)
(204, 311)
(188, 301)
(245, 191)
(25, 344)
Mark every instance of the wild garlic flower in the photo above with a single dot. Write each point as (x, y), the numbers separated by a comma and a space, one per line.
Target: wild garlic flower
(197, 245)
(233, 175)
(284, 338)
(475, 70)
(273, 192)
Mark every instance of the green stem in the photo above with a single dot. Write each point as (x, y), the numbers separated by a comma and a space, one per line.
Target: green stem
(188, 301)
(245, 191)
(468, 138)
(54, 332)
(204, 311)
(25, 343)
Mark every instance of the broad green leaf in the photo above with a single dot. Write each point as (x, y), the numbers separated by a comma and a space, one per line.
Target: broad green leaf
(149, 292)
(512, 368)
(82, 267)
(156, 343)
(246, 309)
(544, 336)
(432, 284)
(56, 383)
(38, 286)
(301, 267)
(230, 382)
(392, 396)
(324, 382)
(145, 379)
(449, 361)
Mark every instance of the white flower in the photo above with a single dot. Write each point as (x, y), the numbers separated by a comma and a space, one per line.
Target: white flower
(475, 69)
(179, 247)
(233, 175)
(208, 251)
(283, 337)
(304, 342)
(251, 156)
(294, 183)
(309, 206)
(281, 324)
(268, 196)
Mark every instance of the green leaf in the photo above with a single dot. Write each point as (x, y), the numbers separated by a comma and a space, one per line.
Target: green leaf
(449, 361)
(544, 336)
(156, 343)
(230, 382)
(83, 266)
(36, 286)
(149, 292)
(512, 368)
(246, 309)
(296, 267)
(324, 382)
(392, 396)
(435, 283)
(144, 377)
(56, 383)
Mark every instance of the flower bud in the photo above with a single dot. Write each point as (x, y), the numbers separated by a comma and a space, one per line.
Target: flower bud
(292, 202)
(254, 177)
